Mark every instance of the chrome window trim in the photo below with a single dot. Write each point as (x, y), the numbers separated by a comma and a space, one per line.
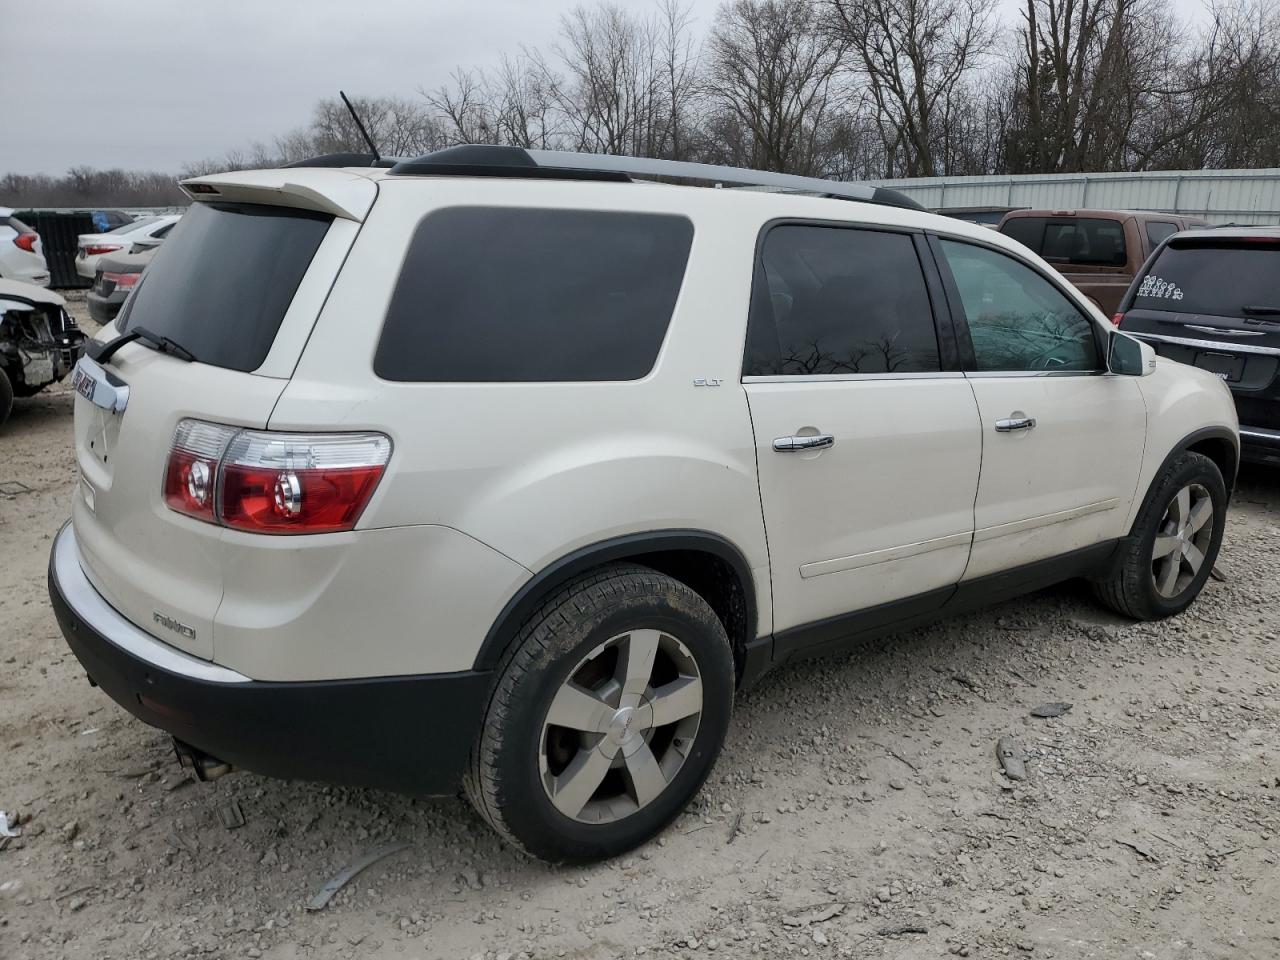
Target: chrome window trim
(104, 620)
(1231, 347)
(852, 377)
(1000, 374)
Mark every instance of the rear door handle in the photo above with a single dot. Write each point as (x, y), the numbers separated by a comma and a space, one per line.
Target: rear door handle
(796, 444)
(1015, 423)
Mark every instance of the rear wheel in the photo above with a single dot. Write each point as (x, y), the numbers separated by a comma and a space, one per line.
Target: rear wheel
(608, 714)
(1174, 544)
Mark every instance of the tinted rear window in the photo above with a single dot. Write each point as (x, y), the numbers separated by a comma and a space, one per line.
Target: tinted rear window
(1216, 279)
(1087, 241)
(221, 284)
(489, 294)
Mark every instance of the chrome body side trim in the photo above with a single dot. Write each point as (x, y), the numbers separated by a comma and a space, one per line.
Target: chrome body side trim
(1044, 520)
(841, 564)
(103, 619)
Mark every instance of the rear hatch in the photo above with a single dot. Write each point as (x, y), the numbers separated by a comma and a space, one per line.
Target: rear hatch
(1214, 303)
(237, 286)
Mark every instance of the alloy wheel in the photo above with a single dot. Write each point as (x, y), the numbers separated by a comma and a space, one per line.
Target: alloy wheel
(620, 727)
(1182, 540)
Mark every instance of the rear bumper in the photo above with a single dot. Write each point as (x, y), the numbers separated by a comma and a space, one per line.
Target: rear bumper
(104, 309)
(409, 734)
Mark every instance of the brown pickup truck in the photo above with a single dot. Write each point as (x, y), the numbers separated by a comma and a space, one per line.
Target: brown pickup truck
(1098, 251)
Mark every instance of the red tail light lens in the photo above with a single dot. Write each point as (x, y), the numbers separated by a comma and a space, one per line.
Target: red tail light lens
(1117, 319)
(190, 478)
(268, 482)
(101, 248)
(123, 281)
(26, 241)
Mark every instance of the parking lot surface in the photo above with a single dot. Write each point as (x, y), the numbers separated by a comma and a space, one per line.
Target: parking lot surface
(858, 809)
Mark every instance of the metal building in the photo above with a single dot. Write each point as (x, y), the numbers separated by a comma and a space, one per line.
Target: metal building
(1219, 196)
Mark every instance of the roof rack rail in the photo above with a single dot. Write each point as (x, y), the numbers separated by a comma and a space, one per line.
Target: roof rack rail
(478, 160)
(344, 160)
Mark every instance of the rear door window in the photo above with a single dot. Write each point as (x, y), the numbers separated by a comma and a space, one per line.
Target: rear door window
(220, 286)
(837, 300)
(522, 295)
(1221, 279)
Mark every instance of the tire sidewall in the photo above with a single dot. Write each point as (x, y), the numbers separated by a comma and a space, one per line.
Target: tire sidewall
(1192, 469)
(528, 811)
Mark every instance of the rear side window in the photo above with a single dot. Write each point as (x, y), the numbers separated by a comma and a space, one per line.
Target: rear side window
(1159, 230)
(521, 295)
(1088, 241)
(835, 300)
(1217, 279)
(221, 284)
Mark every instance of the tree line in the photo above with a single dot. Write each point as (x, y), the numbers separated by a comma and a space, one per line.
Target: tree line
(845, 89)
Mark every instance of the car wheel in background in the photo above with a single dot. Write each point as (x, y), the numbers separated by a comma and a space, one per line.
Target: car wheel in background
(1174, 542)
(608, 713)
(6, 397)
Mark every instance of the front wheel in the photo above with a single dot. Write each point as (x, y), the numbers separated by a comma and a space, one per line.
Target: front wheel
(607, 716)
(1174, 543)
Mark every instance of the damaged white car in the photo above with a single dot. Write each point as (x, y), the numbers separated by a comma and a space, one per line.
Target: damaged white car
(39, 341)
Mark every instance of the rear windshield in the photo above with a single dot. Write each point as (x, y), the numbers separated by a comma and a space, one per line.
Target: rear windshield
(522, 295)
(222, 282)
(1084, 240)
(1216, 279)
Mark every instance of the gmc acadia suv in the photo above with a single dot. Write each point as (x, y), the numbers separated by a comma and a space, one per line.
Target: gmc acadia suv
(505, 470)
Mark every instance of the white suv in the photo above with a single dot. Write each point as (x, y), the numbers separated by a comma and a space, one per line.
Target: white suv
(504, 470)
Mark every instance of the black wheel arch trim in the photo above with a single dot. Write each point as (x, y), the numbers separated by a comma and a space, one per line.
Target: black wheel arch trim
(627, 547)
(1189, 441)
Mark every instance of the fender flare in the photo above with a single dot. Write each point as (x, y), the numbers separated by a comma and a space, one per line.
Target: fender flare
(629, 547)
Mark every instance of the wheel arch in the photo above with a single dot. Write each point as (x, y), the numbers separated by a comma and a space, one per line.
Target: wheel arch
(706, 562)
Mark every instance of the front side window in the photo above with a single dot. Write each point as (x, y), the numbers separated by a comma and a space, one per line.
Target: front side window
(834, 300)
(1018, 320)
(491, 294)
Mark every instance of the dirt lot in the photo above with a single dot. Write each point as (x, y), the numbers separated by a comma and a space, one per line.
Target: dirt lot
(857, 810)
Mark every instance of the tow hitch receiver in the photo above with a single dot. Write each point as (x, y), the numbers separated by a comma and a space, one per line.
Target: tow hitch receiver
(200, 763)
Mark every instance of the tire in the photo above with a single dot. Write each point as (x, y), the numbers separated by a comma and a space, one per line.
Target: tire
(528, 774)
(1142, 585)
(6, 397)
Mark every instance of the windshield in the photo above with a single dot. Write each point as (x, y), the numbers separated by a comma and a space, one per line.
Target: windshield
(1217, 278)
(223, 280)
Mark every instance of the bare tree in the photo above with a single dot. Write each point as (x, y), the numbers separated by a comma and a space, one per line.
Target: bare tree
(915, 59)
(771, 78)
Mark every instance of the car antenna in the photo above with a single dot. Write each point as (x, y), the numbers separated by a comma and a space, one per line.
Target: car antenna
(377, 158)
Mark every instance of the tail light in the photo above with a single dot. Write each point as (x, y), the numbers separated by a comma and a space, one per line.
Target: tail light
(1117, 319)
(123, 281)
(26, 241)
(101, 248)
(268, 482)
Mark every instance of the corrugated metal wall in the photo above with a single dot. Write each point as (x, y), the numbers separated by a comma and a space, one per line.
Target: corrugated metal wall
(1220, 196)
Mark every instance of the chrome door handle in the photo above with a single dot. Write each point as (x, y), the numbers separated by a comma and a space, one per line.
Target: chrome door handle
(795, 444)
(1015, 423)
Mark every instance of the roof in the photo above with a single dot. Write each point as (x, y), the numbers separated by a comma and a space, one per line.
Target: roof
(1230, 233)
(29, 291)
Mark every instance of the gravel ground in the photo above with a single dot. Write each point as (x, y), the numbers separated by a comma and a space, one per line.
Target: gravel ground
(858, 809)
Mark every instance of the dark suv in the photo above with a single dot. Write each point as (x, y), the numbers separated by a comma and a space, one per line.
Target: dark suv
(1211, 298)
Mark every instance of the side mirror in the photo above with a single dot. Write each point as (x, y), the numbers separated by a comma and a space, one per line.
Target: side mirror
(1130, 357)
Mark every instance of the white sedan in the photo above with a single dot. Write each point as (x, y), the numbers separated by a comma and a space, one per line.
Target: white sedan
(21, 254)
(131, 238)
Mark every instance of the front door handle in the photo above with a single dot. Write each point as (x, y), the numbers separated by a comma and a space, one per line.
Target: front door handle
(1015, 423)
(796, 444)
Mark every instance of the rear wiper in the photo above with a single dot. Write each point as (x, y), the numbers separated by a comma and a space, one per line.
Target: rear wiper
(102, 352)
(1261, 311)
(164, 344)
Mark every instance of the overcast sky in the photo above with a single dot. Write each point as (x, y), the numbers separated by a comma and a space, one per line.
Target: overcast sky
(151, 84)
